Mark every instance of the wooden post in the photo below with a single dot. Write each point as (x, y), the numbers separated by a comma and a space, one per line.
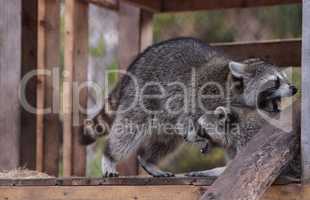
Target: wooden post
(76, 57)
(29, 63)
(48, 124)
(67, 86)
(80, 76)
(135, 34)
(305, 120)
(10, 72)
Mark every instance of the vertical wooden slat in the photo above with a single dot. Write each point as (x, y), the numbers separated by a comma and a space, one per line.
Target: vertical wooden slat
(75, 69)
(10, 72)
(40, 88)
(48, 126)
(305, 122)
(80, 76)
(29, 63)
(146, 29)
(135, 34)
(52, 127)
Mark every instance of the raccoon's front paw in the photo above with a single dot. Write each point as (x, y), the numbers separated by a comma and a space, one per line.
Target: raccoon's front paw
(110, 174)
(162, 174)
(108, 167)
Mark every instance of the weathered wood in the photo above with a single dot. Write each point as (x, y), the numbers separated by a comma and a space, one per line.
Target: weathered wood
(29, 63)
(146, 30)
(305, 83)
(110, 4)
(69, 62)
(48, 124)
(80, 94)
(288, 192)
(257, 166)
(129, 40)
(285, 52)
(191, 5)
(40, 87)
(150, 5)
(129, 34)
(10, 72)
(120, 181)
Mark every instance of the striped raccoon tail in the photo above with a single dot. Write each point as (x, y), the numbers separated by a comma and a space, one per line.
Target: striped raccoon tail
(94, 128)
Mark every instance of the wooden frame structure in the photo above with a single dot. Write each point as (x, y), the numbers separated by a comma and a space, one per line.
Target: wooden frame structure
(39, 38)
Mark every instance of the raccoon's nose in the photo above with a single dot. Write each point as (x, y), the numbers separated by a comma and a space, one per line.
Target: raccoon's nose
(293, 89)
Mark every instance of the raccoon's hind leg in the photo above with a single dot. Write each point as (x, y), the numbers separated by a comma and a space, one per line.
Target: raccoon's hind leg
(154, 149)
(152, 169)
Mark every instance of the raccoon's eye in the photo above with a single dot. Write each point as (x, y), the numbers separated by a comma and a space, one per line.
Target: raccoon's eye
(277, 83)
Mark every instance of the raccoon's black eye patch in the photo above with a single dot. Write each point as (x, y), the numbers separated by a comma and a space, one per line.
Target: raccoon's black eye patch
(277, 83)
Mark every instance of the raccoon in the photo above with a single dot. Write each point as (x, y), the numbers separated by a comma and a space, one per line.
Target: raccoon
(232, 128)
(172, 84)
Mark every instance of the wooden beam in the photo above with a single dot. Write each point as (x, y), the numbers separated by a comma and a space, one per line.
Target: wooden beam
(192, 5)
(110, 4)
(135, 34)
(146, 29)
(75, 73)
(69, 62)
(285, 52)
(48, 94)
(10, 73)
(129, 40)
(29, 63)
(80, 77)
(149, 5)
(305, 84)
(180, 192)
(261, 161)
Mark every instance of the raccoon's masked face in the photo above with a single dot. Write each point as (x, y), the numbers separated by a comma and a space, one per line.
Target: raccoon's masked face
(264, 85)
(92, 129)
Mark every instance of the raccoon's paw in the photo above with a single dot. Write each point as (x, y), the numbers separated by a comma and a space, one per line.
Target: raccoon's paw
(110, 174)
(160, 173)
(108, 167)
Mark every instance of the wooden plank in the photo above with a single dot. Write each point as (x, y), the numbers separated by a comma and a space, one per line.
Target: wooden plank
(285, 52)
(48, 124)
(129, 40)
(10, 73)
(69, 62)
(29, 63)
(146, 29)
(288, 192)
(124, 181)
(110, 4)
(192, 5)
(305, 84)
(40, 88)
(129, 34)
(261, 161)
(101, 192)
(149, 5)
(80, 77)
(135, 34)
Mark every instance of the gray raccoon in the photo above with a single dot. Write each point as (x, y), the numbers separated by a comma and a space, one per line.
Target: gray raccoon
(232, 128)
(162, 70)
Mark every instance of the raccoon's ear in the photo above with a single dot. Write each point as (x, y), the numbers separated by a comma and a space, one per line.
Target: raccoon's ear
(239, 70)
